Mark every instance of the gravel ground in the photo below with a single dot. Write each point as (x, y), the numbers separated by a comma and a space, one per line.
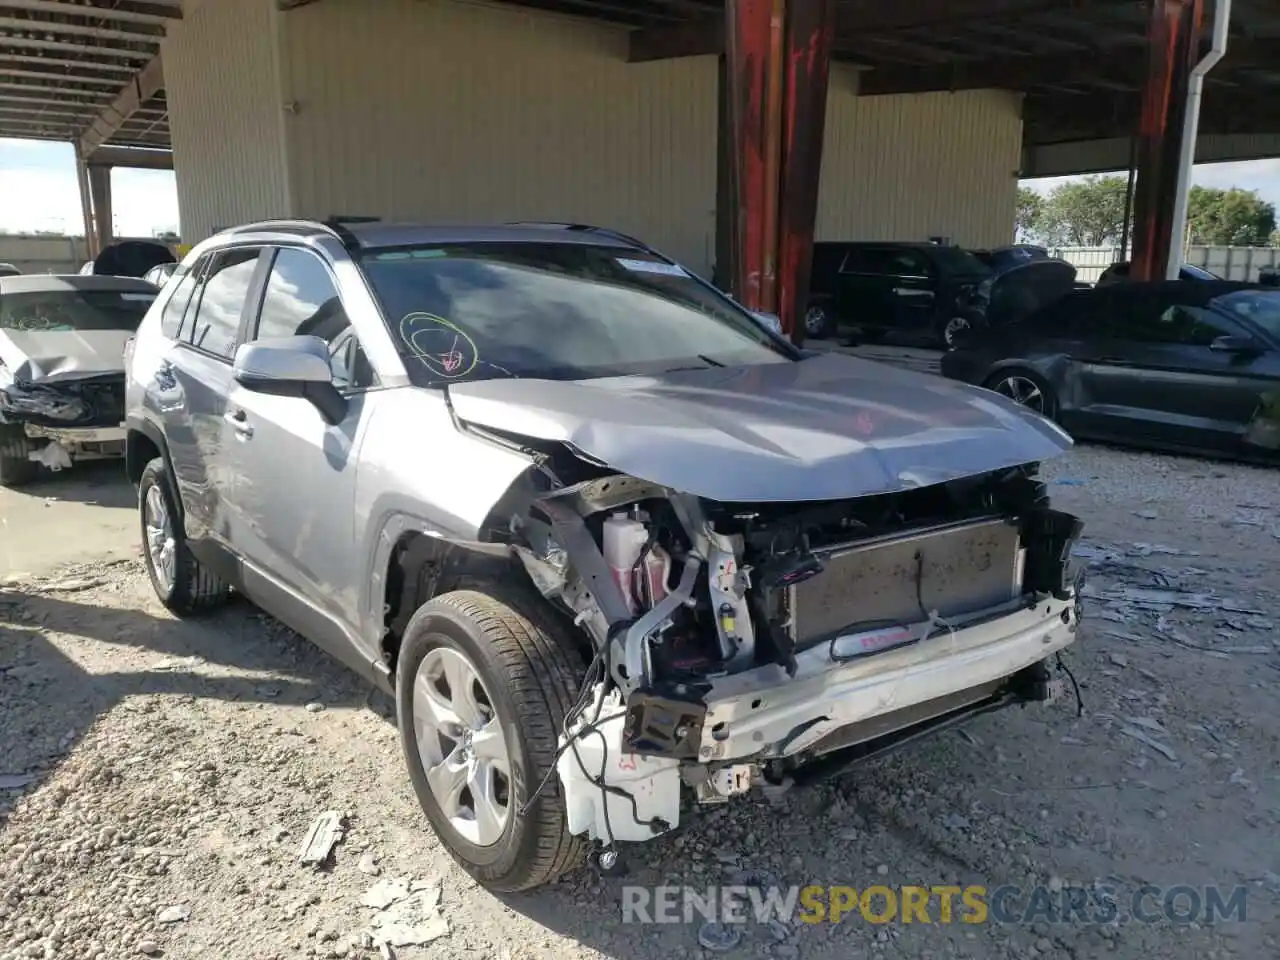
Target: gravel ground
(157, 777)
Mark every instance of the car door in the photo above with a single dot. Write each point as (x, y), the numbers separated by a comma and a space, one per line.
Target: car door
(1215, 386)
(913, 290)
(1149, 374)
(199, 374)
(294, 501)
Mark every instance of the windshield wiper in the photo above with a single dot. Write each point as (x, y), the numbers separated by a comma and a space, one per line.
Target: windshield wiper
(708, 364)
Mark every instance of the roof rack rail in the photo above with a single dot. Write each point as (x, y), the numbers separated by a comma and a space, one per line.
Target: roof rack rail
(334, 226)
(584, 228)
(338, 224)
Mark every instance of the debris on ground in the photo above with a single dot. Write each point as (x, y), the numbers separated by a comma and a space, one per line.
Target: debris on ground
(175, 914)
(408, 912)
(1162, 749)
(324, 835)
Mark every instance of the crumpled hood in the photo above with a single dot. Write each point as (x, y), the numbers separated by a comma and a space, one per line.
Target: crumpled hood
(826, 428)
(50, 356)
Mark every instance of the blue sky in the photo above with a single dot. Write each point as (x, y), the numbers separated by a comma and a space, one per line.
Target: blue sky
(38, 189)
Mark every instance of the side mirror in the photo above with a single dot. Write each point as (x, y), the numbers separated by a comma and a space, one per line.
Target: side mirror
(1236, 344)
(291, 367)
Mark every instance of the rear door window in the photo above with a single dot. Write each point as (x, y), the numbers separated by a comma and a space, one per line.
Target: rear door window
(223, 294)
(176, 310)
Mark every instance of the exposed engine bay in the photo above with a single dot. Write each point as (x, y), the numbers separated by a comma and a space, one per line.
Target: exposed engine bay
(740, 643)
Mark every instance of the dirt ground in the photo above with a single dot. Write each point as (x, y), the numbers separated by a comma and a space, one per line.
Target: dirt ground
(157, 777)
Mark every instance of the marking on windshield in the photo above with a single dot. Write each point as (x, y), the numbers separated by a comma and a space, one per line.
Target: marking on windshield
(444, 348)
(653, 266)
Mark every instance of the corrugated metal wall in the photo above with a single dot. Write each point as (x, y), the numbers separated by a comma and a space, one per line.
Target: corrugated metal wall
(221, 74)
(914, 166)
(462, 112)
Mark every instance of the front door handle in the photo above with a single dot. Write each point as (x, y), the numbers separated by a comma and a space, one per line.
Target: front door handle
(239, 421)
(1116, 361)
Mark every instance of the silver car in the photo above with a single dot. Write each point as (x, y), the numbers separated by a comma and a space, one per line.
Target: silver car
(604, 536)
(62, 369)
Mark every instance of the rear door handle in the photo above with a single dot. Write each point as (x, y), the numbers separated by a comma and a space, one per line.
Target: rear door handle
(1116, 361)
(239, 420)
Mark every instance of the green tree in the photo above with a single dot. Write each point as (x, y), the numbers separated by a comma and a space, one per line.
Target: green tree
(1229, 218)
(1029, 215)
(1085, 213)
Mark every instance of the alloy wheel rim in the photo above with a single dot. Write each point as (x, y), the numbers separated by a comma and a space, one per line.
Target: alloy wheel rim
(815, 319)
(161, 545)
(1023, 391)
(955, 326)
(462, 746)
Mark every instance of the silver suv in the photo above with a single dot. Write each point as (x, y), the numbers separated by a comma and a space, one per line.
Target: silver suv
(604, 535)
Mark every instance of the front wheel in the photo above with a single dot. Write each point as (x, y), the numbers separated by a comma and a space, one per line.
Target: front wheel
(483, 683)
(1025, 388)
(180, 581)
(16, 466)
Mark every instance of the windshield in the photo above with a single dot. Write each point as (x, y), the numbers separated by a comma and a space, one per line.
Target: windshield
(556, 311)
(1260, 307)
(65, 310)
(954, 260)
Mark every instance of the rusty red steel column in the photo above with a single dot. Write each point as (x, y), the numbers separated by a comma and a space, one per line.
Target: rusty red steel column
(810, 37)
(747, 43)
(1173, 43)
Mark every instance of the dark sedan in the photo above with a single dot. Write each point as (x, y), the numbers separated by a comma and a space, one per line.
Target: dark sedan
(1171, 365)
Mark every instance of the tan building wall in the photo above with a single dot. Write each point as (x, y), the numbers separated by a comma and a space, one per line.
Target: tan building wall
(450, 110)
(221, 77)
(915, 166)
(461, 112)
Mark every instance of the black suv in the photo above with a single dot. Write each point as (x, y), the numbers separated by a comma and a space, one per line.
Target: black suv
(926, 290)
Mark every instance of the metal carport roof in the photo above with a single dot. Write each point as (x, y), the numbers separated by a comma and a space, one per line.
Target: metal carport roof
(85, 72)
(88, 71)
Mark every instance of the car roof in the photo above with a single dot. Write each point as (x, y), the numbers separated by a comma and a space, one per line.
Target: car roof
(49, 283)
(900, 244)
(379, 235)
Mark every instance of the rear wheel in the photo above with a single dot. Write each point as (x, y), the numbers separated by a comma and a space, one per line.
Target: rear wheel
(180, 581)
(819, 323)
(16, 466)
(1025, 388)
(483, 683)
(955, 330)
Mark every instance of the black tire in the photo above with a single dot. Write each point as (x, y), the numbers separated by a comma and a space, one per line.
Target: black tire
(825, 325)
(1050, 408)
(527, 663)
(194, 589)
(16, 467)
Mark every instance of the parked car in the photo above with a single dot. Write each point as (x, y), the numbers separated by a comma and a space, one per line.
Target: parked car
(160, 273)
(62, 369)
(1171, 365)
(1119, 273)
(602, 537)
(922, 290)
(9, 270)
(1004, 258)
(1269, 276)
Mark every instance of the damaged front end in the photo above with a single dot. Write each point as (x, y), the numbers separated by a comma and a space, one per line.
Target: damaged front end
(66, 419)
(744, 643)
